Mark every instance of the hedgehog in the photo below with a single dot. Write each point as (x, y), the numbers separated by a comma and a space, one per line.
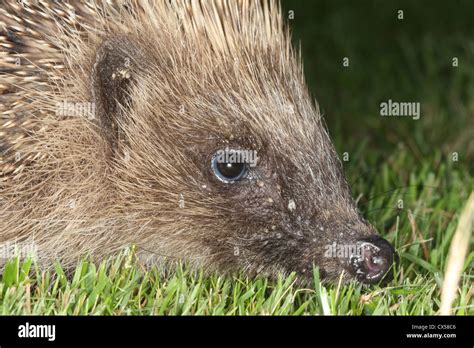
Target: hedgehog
(182, 128)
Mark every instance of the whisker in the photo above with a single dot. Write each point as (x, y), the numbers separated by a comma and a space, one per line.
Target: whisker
(414, 243)
(406, 211)
(361, 176)
(399, 188)
(155, 253)
(180, 258)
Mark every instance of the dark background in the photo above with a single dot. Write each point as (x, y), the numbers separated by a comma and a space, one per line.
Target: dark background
(407, 60)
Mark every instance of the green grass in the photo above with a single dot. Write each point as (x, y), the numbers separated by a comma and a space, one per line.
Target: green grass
(121, 286)
(390, 160)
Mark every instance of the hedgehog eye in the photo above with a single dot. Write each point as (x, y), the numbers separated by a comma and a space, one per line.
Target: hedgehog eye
(228, 167)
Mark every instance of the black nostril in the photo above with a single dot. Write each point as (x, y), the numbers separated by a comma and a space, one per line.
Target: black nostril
(373, 259)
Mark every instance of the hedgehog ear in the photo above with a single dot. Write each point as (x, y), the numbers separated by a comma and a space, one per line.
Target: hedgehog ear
(112, 78)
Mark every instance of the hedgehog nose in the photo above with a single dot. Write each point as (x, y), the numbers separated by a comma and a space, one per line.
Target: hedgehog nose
(373, 259)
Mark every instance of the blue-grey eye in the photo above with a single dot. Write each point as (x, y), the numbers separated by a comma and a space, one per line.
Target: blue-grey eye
(227, 170)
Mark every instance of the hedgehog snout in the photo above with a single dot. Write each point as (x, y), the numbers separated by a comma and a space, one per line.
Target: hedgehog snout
(373, 260)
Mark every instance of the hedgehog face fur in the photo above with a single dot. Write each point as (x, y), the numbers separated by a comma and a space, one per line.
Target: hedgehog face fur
(174, 85)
